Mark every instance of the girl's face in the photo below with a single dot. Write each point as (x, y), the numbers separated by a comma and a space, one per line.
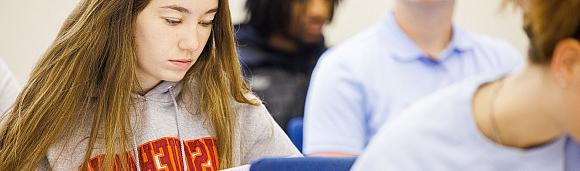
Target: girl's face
(170, 35)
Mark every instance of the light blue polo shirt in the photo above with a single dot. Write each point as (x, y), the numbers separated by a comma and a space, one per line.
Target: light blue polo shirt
(364, 82)
(440, 133)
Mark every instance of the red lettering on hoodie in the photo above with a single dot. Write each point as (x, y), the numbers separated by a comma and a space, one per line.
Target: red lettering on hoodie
(164, 154)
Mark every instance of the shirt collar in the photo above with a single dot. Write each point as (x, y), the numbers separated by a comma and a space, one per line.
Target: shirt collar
(404, 49)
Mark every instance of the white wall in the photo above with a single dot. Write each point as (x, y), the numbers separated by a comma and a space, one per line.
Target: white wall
(27, 27)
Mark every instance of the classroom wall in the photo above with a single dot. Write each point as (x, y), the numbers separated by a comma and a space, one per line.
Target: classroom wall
(27, 27)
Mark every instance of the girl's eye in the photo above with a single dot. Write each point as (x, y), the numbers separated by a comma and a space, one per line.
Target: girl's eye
(172, 21)
(206, 24)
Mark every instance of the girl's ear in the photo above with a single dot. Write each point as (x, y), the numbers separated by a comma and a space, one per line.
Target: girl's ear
(566, 62)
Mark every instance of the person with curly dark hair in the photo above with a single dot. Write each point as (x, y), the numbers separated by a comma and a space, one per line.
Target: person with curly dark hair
(279, 45)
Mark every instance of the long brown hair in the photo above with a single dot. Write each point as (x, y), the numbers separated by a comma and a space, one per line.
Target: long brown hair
(89, 71)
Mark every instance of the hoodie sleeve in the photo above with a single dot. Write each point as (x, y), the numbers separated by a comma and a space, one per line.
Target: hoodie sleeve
(262, 137)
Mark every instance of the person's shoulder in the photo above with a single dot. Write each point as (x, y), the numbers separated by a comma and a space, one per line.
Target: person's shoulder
(251, 113)
(444, 107)
(497, 49)
(251, 96)
(419, 133)
(460, 91)
(439, 118)
(491, 43)
(254, 119)
(427, 131)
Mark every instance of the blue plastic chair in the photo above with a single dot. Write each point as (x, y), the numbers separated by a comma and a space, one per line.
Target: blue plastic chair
(295, 131)
(303, 164)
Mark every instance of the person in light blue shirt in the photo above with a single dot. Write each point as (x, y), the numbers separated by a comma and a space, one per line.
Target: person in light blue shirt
(361, 84)
(528, 120)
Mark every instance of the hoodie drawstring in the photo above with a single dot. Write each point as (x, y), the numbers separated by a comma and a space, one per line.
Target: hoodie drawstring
(136, 153)
(178, 136)
(177, 123)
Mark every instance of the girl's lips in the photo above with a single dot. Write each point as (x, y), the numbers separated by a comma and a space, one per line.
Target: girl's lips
(181, 63)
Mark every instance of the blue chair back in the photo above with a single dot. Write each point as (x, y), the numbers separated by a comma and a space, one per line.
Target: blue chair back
(303, 164)
(295, 131)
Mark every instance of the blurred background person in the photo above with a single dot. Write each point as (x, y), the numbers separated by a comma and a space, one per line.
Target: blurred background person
(279, 45)
(362, 84)
(9, 88)
(528, 120)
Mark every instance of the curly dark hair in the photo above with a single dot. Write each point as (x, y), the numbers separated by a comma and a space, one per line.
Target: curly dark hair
(267, 16)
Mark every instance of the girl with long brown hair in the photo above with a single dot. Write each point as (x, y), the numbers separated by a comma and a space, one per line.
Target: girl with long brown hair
(140, 85)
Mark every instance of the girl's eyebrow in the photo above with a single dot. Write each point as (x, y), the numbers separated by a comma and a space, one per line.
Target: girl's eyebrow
(177, 8)
(185, 10)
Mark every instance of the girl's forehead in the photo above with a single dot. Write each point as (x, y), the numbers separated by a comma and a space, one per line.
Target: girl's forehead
(191, 5)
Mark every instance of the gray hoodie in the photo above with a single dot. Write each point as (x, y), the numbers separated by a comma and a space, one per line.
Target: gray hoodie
(164, 126)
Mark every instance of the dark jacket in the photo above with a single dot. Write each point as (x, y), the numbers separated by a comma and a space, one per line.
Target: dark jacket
(279, 78)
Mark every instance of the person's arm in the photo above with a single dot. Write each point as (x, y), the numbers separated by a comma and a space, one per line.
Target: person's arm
(262, 137)
(334, 123)
(9, 87)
